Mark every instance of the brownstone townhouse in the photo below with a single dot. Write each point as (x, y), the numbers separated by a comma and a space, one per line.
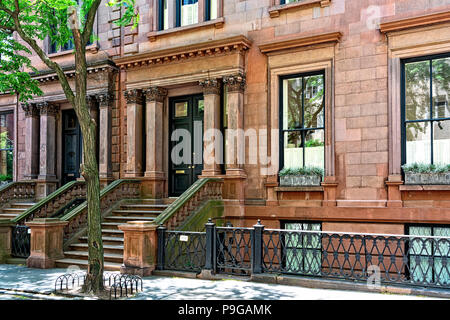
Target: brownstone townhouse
(259, 91)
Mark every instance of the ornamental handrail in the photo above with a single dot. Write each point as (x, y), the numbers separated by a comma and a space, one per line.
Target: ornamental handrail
(202, 191)
(53, 202)
(116, 191)
(17, 190)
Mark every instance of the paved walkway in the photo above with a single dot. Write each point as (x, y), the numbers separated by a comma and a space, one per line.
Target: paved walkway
(19, 282)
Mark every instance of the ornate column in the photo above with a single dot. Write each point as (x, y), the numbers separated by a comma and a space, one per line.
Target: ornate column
(212, 148)
(235, 137)
(135, 166)
(47, 162)
(31, 140)
(154, 97)
(105, 102)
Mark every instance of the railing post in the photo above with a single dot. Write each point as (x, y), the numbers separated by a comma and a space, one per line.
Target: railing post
(258, 231)
(161, 246)
(210, 241)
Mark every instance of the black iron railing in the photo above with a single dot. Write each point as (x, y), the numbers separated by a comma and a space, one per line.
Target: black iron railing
(389, 259)
(182, 251)
(20, 242)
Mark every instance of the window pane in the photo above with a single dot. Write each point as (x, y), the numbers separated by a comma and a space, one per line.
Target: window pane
(165, 16)
(214, 9)
(189, 12)
(6, 146)
(441, 142)
(420, 255)
(441, 88)
(442, 249)
(418, 143)
(417, 96)
(314, 103)
(293, 150)
(292, 99)
(315, 148)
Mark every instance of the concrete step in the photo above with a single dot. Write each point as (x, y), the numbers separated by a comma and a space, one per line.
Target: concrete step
(83, 255)
(8, 215)
(24, 205)
(13, 210)
(118, 239)
(156, 207)
(111, 232)
(82, 264)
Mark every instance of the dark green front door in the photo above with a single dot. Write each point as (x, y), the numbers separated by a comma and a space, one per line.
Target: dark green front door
(71, 147)
(186, 142)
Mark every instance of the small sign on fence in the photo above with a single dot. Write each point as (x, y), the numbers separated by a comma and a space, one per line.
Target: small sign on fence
(184, 238)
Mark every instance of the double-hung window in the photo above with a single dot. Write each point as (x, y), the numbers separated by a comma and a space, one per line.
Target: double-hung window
(302, 116)
(428, 258)
(187, 12)
(426, 110)
(6, 146)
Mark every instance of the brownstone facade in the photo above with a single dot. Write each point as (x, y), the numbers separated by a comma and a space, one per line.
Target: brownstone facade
(236, 60)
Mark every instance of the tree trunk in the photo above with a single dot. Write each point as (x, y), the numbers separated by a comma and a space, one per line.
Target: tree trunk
(94, 279)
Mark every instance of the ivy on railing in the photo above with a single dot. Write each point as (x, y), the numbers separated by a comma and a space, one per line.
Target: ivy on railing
(54, 202)
(114, 192)
(200, 192)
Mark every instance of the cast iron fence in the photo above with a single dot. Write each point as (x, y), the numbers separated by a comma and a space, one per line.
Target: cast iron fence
(183, 251)
(20, 242)
(391, 259)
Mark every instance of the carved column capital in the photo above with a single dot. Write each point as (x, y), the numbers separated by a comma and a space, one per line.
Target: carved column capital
(30, 109)
(235, 82)
(211, 86)
(91, 102)
(48, 109)
(157, 94)
(105, 99)
(133, 96)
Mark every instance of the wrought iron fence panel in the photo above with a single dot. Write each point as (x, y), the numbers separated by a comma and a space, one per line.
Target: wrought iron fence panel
(399, 259)
(184, 251)
(234, 250)
(20, 242)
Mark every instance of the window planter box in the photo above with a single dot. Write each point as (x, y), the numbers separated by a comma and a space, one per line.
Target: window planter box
(298, 180)
(412, 178)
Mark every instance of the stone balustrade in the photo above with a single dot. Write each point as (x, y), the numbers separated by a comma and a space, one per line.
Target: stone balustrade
(17, 190)
(198, 194)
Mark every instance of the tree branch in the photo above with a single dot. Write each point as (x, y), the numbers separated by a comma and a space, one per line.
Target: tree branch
(87, 32)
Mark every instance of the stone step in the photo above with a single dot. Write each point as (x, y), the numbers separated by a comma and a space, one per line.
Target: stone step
(82, 264)
(111, 232)
(8, 215)
(124, 219)
(118, 239)
(161, 207)
(107, 248)
(136, 212)
(24, 205)
(13, 210)
(83, 255)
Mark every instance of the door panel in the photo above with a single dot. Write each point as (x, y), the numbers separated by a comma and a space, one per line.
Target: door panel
(71, 147)
(186, 124)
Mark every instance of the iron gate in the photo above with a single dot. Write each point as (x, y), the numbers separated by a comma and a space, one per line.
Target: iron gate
(20, 242)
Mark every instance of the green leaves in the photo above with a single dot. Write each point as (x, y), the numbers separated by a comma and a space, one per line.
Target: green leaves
(305, 171)
(129, 17)
(426, 168)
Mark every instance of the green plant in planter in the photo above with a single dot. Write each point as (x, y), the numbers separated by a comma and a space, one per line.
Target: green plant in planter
(305, 171)
(426, 168)
(5, 177)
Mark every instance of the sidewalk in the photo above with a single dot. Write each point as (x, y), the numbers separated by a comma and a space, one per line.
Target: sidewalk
(39, 284)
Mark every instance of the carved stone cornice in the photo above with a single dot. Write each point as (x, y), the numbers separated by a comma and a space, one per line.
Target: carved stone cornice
(211, 86)
(157, 94)
(235, 83)
(48, 109)
(105, 99)
(91, 102)
(133, 96)
(30, 109)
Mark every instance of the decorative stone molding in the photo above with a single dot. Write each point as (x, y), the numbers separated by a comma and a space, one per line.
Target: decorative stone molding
(277, 8)
(48, 109)
(424, 20)
(300, 42)
(157, 94)
(91, 102)
(210, 86)
(235, 83)
(30, 109)
(181, 53)
(133, 96)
